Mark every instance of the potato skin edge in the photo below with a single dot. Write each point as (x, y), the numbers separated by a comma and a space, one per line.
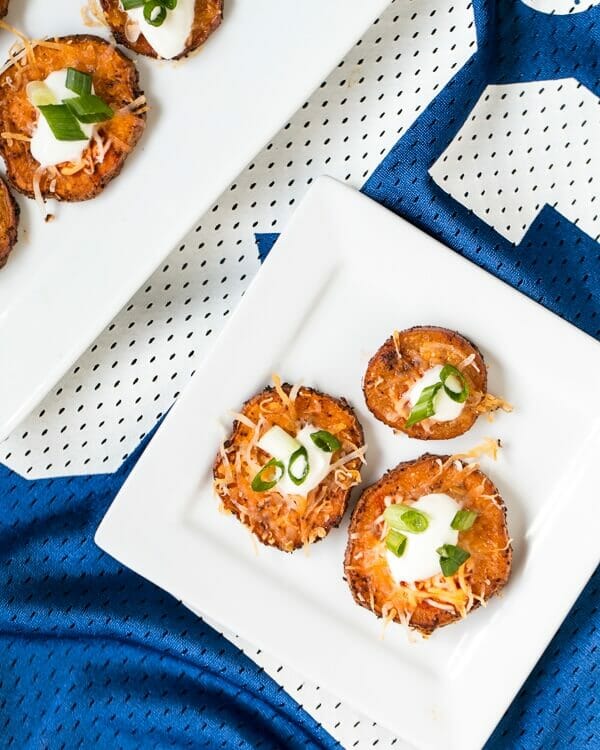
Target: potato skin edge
(9, 233)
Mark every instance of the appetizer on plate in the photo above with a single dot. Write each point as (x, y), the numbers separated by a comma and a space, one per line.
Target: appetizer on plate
(428, 543)
(289, 464)
(429, 382)
(9, 220)
(170, 29)
(72, 111)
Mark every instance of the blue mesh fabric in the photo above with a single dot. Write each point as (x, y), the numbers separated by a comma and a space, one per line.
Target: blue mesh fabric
(91, 655)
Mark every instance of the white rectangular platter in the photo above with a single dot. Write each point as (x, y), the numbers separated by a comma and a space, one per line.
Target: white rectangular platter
(209, 115)
(344, 275)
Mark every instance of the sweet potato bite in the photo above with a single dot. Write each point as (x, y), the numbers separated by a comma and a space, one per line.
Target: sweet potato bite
(438, 515)
(428, 382)
(115, 81)
(207, 16)
(288, 467)
(9, 220)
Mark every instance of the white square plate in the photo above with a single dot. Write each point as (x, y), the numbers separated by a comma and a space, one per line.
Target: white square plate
(209, 115)
(345, 274)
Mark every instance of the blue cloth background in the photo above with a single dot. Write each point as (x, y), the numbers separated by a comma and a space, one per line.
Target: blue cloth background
(92, 655)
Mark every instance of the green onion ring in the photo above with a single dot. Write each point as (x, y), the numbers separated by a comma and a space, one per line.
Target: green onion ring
(405, 518)
(463, 520)
(395, 542)
(297, 455)
(155, 12)
(259, 484)
(450, 371)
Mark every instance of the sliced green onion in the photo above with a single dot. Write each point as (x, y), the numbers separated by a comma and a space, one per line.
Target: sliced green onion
(460, 396)
(80, 83)
(260, 483)
(155, 12)
(325, 441)
(463, 520)
(404, 518)
(170, 4)
(424, 407)
(451, 558)
(395, 542)
(62, 122)
(89, 108)
(298, 466)
(130, 4)
(39, 94)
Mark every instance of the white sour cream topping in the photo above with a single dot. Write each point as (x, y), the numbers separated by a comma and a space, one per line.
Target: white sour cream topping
(420, 559)
(45, 148)
(280, 445)
(445, 408)
(169, 39)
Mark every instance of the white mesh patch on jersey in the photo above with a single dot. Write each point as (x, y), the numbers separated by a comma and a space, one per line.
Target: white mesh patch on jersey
(523, 146)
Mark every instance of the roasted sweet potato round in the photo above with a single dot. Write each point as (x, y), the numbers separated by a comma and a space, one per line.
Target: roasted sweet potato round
(429, 604)
(403, 359)
(281, 520)
(115, 80)
(208, 15)
(9, 220)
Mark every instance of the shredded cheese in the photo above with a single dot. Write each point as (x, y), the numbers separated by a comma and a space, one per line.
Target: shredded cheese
(491, 403)
(37, 191)
(7, 135)
(243, 419)
(287, 401)
(92, 15)
(136, 107)
(396, 338)
(488, 447)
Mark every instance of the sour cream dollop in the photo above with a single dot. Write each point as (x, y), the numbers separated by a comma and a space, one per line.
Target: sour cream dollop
(420, 559)
(169, 39)
(45, 148)
(280, 445)
(446, 409)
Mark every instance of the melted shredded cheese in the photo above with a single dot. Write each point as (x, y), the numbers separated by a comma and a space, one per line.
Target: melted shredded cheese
(10, 137)
(491, 403)
(469, 361)
(92, 15)
(396, 338)
(243, 419)
(23, 49)
(37, 191)
(137, 107)
(287, 401)
(488, 447)
(132, 30)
